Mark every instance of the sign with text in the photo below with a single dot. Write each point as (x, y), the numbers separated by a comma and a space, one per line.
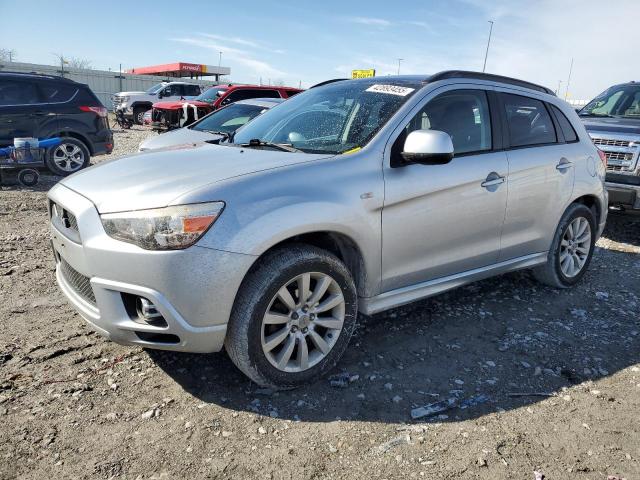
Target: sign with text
(363, 73)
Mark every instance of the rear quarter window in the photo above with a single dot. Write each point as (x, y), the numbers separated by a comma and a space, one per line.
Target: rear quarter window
(568, 131)
(57, 93)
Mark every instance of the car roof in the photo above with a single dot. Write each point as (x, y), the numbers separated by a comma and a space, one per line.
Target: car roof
(458, 74)
(35, 76)
(261, 87)
(261, 102)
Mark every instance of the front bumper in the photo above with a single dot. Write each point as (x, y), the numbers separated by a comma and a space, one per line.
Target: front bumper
(193, 289)
(623, 195)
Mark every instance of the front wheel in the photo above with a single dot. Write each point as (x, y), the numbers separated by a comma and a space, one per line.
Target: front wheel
(571, 250)
(293, 317)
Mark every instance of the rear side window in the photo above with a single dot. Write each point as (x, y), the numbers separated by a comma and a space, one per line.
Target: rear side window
(246, 94)
(18, 92)
(291, 93)
(57, 93)
(528, 121)
(569, 133)
(192, 90)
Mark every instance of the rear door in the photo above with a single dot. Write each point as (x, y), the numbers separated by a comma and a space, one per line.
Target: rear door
(19, 102)
(541, 175)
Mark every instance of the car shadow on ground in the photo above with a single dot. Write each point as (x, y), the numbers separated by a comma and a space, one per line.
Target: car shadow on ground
(623, 227)
(486, 341)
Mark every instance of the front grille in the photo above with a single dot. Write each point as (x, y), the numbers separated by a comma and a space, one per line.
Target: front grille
(615, 168)
(611, 142)
(620, 156)
(78, 282)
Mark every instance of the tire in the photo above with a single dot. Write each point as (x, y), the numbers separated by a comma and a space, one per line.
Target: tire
(138, 113)
(249, 335)
(28, 177)
(69, 157)
(554, 273)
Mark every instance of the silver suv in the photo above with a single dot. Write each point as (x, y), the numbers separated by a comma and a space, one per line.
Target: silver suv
(354, 196)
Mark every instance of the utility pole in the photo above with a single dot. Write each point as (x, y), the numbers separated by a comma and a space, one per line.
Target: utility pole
(219, 60)
(399, 60)
(486, 54)
(566, 92)
(559, 87)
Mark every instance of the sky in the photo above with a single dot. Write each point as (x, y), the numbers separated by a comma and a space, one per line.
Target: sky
(305, 42)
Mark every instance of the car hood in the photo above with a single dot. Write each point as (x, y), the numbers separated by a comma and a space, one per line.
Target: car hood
(124, 94)
(179, 103)
(157, 178)
(180, 137)
(614, 125)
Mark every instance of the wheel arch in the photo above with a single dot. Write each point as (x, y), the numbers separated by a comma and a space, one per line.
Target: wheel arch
(593, 203)
(78, 136)
(337, 243)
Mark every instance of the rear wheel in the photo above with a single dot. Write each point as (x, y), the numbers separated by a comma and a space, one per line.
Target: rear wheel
(68, 157)
(293, 317)
(571, 250)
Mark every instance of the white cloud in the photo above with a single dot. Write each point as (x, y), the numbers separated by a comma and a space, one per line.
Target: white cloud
(233, 54)
(536, 41)
(377, 22)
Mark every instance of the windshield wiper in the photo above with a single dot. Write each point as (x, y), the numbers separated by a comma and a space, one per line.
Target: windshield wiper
(285, 147)
(589, 114)
(216, 132)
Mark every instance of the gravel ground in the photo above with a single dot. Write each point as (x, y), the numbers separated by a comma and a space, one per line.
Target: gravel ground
(73, 405)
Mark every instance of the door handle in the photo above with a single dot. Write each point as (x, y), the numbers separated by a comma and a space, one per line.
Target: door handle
(492, 180)
(563, 165)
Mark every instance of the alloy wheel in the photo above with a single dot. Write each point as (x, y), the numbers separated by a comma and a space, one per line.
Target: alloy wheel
(575, 247)
(303, 322)
(68, 157)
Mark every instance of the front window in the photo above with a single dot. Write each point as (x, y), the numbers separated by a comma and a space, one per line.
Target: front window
(619, 101)
(155, 89)
(334, 118)
(228, 119)
(211, 94)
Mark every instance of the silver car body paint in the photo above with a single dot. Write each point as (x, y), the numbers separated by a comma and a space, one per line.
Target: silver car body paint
(419, 229)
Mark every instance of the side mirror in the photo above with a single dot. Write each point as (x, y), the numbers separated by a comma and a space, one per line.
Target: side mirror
(160, 94)
(428, 147)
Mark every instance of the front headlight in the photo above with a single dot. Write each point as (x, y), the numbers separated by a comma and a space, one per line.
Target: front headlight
(169, 228)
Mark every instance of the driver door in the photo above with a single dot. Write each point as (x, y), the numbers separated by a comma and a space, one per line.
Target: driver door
(440, 220)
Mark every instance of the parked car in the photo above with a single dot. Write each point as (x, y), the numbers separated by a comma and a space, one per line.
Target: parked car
(613, 122)
(213, 127)
(45, 106)
(177, 114)
(269, 245)
(135, 104)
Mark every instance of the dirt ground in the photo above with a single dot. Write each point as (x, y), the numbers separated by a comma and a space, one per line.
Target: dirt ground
(73, 405)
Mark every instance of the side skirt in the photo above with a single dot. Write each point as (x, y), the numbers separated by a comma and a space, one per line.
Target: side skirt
(411, 293)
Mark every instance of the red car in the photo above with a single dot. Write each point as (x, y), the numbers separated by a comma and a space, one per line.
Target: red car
(177, 114)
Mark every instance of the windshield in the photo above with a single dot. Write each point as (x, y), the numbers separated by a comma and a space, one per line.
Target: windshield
(228, 119)
(210, 95)
(618, 101)
(153, 90)
(334, 118)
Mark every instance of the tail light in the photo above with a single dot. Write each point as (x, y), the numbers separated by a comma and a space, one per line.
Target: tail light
(100, 111)
(603, 157)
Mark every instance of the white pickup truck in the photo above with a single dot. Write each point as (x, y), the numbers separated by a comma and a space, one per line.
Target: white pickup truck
(135, 104)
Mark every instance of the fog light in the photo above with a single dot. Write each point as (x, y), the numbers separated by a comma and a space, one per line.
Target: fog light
(147, 310)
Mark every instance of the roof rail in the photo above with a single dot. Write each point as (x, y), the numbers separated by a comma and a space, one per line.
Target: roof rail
(326, 82)
(491, 77)
(37, 74)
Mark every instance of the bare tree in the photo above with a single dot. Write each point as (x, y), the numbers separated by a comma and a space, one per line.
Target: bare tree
(82, 63)
(8, 55)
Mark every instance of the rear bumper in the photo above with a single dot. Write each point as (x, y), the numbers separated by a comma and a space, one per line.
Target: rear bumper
(624, 195)
(193, 289)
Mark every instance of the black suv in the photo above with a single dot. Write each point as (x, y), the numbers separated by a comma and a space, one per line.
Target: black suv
(44, 106)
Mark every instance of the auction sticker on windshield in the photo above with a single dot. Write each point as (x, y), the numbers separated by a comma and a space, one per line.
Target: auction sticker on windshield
(391, 89)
